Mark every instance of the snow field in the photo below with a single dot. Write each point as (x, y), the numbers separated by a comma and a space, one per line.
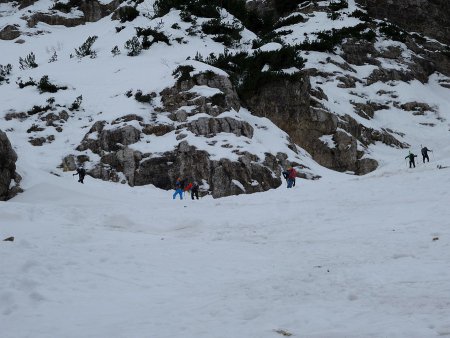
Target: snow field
(348, 257)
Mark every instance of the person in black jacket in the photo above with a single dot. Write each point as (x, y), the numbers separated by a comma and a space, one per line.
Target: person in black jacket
(411, 159)
(81, 172)
(194, 190)
(425, 151)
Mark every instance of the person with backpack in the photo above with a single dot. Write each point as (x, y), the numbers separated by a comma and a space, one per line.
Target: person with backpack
(290, 174)
(178, 189)
(194, 190)
(81, 172)
(425, 151)
(411, 157)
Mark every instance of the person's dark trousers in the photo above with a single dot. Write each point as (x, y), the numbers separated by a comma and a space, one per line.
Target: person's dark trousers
(194, 193)
(412, 164)
(425, 157)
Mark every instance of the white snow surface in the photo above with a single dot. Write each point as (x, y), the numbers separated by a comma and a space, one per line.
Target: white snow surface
(338, 257)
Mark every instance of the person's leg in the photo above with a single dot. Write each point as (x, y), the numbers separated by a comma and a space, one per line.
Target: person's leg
(423, 158)
(196, 194)
(428, 159)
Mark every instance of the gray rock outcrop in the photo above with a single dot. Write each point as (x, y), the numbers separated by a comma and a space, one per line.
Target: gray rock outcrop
(428, 17)
(8, 158)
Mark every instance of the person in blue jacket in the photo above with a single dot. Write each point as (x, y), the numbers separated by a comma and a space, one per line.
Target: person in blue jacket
(178, 189)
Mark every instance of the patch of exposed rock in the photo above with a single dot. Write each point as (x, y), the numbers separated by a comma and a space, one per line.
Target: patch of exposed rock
(428, 17)
(93, 10)
(9, 32)
(9, 179)
(293, 108)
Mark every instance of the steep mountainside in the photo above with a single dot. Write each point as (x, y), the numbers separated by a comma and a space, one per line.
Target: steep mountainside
(227, 94)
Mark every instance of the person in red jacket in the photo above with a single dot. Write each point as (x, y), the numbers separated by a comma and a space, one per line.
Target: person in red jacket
(290, 174)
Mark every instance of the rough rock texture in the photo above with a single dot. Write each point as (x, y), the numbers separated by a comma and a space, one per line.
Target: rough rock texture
(211, 126)
(8, 158)
(430, 17)
(291, 106)
(223, 177)
(92, 11)
(99, 139)
(181, 95)
(187, 161)
(9, 32)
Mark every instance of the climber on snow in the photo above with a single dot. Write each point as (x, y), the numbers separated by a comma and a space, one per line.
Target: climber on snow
(425, 151)
(194, 190)
(179, 185)
(411, 159)
(81, 172)
(290, 174)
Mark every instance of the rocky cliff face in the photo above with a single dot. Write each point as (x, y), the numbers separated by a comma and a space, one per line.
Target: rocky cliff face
(8, 158)
(191, 112)
(430, 17)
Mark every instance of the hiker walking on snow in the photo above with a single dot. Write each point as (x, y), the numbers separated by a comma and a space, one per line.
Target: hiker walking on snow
(194, 190)
(425, 151)
(81, 172)
(290, 176)
(178, 189)
(411, 159)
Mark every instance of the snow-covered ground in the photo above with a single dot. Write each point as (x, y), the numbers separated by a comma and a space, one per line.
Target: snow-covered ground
(344, 256)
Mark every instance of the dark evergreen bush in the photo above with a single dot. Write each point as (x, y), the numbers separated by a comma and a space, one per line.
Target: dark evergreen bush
(363, 16)
(327, 40)
(393, 32)
(86, 48)
(284, 7)
(143, 98)
(28, 62)
(53, 58)
(291, 20)
(134, 46)
(66, 7)
(246, 71)
(338, 5)
(76, 104)
(225, 33)
(45, 86)
(30, 82)
(115, 51)
(156, 35)
(183, 73)
(210, 9)
(4, 72)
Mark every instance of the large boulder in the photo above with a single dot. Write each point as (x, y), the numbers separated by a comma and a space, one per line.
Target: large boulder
(9, 32)
(8, 158)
